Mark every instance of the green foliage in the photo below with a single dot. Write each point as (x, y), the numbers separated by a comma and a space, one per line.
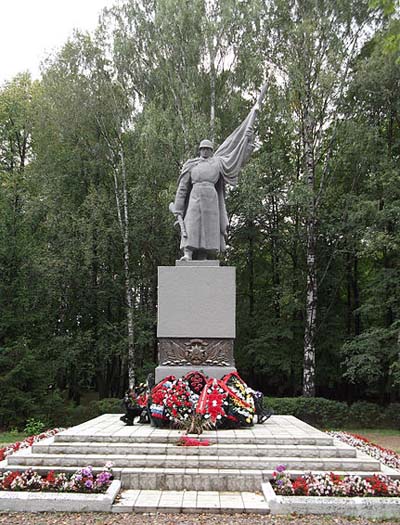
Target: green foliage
(144, 85)
(81, 413)
(325, 413)
(34, 426)
(321, 412)
(23, 384)
(364, 414)
(391, 416)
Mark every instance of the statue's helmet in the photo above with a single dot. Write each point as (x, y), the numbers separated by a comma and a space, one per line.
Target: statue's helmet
(206, 144)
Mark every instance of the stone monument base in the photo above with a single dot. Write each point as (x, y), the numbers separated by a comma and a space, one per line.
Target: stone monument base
(196, 319)
(179, 371)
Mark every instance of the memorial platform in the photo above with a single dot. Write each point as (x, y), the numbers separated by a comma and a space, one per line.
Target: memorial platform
(232, 469)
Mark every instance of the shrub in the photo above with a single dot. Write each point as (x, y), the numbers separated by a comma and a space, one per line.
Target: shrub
(34, 426)
(325, 413)
(81, 413)
(391, 416)
(316, 411)
(110, 405)
(364, 414)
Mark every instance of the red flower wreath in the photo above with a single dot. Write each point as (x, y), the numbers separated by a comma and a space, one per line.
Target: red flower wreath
(212, 400)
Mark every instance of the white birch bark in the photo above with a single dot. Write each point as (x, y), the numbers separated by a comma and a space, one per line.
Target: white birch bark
(121, 199)
(128, 286)
(312, 284)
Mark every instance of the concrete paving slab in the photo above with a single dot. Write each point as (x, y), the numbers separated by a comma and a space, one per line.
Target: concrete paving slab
(147, 500)
(126, 502)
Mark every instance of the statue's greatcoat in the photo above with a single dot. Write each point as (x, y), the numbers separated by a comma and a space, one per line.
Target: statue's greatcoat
(200, 196)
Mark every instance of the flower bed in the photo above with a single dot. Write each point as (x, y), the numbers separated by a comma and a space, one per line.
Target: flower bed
(333, 485)
(79, 492)
(83, 480)
(359, 507)
(27, 442)
(386, 456)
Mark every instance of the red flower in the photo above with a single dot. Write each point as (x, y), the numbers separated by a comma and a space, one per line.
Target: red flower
(50, 477)
(187, 441)
(335, 478)
(361, 438)
(158, 396)
(300, 487)
(9, 479)
(214, 404)
(378, 486)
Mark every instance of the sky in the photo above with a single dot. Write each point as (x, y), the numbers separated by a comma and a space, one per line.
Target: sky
(31, 29)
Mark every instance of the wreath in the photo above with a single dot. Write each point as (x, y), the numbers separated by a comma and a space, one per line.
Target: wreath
(178, 403)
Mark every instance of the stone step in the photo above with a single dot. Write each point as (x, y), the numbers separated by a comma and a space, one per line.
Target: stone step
(258, 440)
(191, 479)
(190, 461)
(136, 500)
(218, 449)
(277, 430)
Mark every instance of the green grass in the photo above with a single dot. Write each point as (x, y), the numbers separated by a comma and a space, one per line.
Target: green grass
(386, 437)
(378, 431)
(6, 438)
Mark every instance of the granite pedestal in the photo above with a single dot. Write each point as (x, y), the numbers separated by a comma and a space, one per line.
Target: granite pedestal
(196, 319)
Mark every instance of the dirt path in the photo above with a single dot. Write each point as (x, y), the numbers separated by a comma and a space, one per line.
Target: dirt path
(391, 442)
(179, 519)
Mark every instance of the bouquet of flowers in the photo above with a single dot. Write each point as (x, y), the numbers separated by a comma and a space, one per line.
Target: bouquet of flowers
(196, 382)
(213, 402)
(241, 401)
(178, 403)
(157, 395)
(197, 403)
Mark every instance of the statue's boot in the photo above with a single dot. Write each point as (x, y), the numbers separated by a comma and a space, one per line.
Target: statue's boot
(266, 414)
(127, 420)
(187, 255)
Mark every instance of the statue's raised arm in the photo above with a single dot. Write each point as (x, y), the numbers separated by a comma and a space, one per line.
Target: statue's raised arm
(200, 198)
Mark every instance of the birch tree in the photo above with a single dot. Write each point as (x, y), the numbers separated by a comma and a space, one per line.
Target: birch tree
(310, 46)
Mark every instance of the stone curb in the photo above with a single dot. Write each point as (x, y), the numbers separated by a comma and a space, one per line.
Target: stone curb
(14, 501)
(378, 508)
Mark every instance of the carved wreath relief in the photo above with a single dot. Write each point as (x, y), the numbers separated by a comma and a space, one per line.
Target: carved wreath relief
(210, 352)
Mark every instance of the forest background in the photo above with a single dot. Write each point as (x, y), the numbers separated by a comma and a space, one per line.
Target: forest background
(89, 159)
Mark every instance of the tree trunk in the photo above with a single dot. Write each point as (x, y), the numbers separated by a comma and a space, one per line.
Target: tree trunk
(349, 302)
(128, 287)
(250, 266)
(128, 361)
(119, 166)
(356, 296)
(275, 258)
(312, 285)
